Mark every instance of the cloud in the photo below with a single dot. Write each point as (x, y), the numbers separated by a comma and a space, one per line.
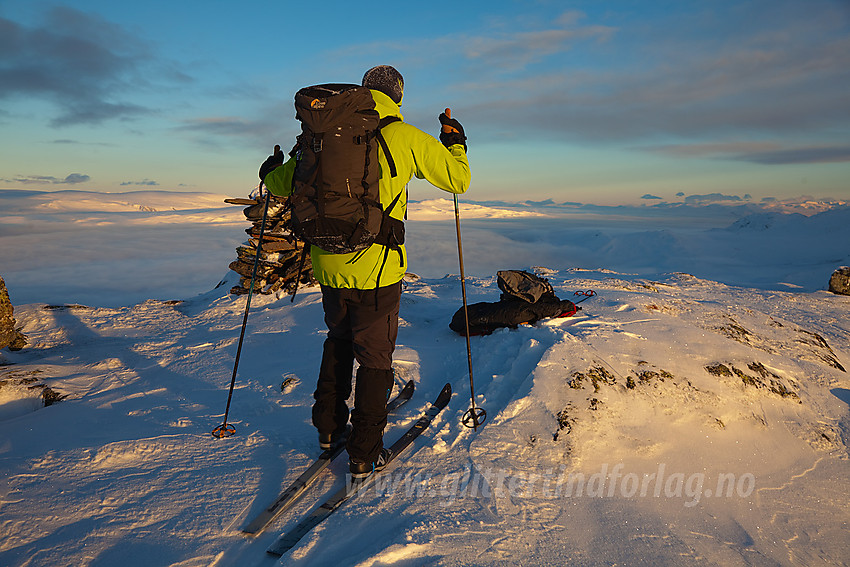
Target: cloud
(713, 149)
(80, 62)
(517, 49)
(70, 142)
(75, 178)
(213, 131)
(710, 198)
(221, 126)
(765, 153)
(144, 182)
(690, 74)
(489, 51)
(817, 154)
(728, 71)
(648, 196)
(71, 179)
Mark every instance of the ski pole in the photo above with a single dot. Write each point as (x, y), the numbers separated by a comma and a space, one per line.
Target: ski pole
(225, 429)
(304, 253)
(474, 416)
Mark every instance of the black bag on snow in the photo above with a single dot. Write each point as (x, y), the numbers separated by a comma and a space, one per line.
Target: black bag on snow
(335, 198)
(526, 298)
(486, 317)
(518, 284)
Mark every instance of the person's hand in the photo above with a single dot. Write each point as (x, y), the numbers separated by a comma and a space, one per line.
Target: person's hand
(451, 131)
(272, 162)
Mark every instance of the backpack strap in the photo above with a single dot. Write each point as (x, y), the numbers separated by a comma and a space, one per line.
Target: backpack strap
(391, 235)
(392, 229)
(393, 173)
(385, 121)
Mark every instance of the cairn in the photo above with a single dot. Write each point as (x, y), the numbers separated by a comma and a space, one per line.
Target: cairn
(280, 256)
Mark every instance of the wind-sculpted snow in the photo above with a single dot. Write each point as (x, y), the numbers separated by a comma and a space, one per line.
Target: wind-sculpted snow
(674, 420)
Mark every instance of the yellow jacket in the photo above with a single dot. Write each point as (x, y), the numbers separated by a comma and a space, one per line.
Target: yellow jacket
(415, 153)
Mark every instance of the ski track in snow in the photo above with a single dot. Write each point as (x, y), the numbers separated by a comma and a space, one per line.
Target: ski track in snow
(124, 470)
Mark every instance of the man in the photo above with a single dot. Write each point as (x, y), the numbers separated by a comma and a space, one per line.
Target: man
(361, 291)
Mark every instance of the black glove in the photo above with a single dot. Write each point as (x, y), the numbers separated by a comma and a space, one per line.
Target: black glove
(272, 162)
(451, 132)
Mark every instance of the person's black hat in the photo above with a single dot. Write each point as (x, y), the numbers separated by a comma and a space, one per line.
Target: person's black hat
(387, 80)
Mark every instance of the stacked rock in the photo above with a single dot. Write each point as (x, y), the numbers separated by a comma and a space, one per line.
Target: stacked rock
(280, 254)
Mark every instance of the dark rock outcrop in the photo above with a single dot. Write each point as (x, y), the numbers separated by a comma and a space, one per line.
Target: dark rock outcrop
(840, 281)
(9, 336)
(7, 321)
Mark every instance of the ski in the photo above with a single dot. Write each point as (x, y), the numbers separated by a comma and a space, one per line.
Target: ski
(299, 486)
(289, 539)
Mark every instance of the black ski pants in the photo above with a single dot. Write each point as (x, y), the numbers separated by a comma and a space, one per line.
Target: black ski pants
(362, 325)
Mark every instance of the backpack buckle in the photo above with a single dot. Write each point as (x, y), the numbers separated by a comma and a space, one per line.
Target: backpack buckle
(317, 145)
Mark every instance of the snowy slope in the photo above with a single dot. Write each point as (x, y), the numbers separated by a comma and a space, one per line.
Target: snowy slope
(125, 471)
(676, 420)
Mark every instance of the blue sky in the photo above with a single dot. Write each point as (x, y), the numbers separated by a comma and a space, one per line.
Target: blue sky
(596, 102)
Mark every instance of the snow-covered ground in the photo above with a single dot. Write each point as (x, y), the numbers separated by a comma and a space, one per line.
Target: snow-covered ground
(696, 411)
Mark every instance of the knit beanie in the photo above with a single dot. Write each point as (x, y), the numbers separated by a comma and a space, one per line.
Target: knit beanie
(387, 80)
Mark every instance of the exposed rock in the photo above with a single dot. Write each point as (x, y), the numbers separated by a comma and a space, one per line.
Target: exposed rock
(840, 281)
(7, 321)
(19, 342)
(761, 379)
(22, 385)
(777, 337)
(596, 375)
(9, 336)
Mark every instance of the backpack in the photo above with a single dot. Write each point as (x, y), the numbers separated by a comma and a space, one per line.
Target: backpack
(336, 203)
(519, 284)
